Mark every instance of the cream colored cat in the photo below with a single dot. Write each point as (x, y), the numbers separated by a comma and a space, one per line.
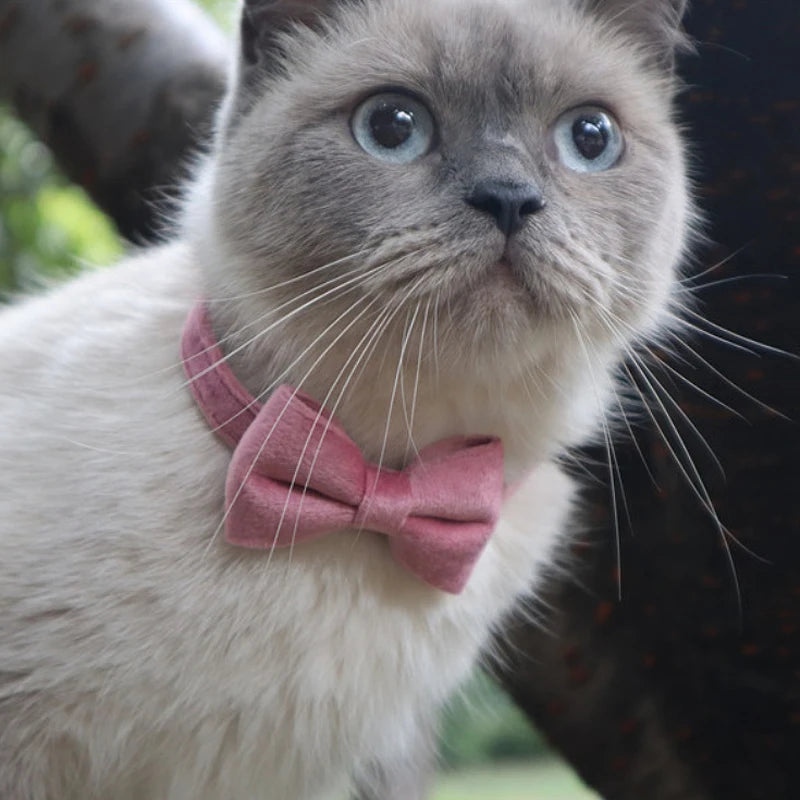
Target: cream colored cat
(439, 216)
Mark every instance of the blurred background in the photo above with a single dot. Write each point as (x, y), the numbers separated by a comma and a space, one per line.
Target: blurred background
(50, 229)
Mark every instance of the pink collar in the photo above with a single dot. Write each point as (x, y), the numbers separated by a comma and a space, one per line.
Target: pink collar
(295, 475)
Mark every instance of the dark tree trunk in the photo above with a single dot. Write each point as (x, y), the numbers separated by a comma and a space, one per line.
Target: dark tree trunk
(123, 91)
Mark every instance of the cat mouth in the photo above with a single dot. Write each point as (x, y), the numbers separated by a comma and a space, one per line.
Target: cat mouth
(507, 272)
(506, 264)
(512, 281)
(499, 287)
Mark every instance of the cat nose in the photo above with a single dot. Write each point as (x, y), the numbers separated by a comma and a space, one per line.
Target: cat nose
(509, 203)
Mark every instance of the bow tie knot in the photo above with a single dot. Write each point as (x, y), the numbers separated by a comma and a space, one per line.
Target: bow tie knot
(387, 502)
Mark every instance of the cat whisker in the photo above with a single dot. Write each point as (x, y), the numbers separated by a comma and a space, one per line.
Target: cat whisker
(419, 363)
(734, 339)
(717, 265)
(728, 382)
(384, 443)
(653, 382)
(680, 322)
(287, 371)
(384, 318)
(688, 469)
(667, 347)
(581, 463)
(94, 448)
(237, 332)
(374, 299)
(311, 291)
(680, 283)
(362, 349)
(659, 391)
(291, 281)
(692, 385)
(296, 389)
(403, 401)
(338, 287)
(331, 410)
(700, 491)
(436, 303)
(727, 281)
(626, 421)
(693, 479)
(409, 416)
(724, 48)
(532, 382)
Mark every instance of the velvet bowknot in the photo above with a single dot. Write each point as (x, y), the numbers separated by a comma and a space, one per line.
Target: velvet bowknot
(296, 475)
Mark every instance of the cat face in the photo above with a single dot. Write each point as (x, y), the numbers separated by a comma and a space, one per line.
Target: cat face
(513, 162)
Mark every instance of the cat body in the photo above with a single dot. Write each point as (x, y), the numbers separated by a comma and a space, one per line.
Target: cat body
(143, 656)
(209, 675)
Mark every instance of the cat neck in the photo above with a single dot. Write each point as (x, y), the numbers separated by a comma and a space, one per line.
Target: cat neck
(395, 398)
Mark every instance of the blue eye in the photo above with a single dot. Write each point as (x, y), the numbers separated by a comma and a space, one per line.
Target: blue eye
(393, 127)
(588, 139)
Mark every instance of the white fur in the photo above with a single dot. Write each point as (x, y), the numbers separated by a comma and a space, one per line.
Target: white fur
(156, 663)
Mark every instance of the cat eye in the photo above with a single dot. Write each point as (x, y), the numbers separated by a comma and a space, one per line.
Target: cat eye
(393, 127)
(588, 139)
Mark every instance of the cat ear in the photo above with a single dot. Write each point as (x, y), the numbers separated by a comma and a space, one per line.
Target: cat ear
(656, 23)
(262, 23)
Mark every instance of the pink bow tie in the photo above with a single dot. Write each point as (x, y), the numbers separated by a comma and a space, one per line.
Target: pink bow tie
(296, 475)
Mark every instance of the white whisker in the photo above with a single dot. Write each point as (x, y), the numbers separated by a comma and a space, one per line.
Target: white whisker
(311, 369)
(352, 282)
(653, 382)
(694, 480)
(691, 290)
(409, 416)
(384, 443)
(717, 265)
(728, 382)
(683, 379)
(359, 351)
(736, 337)
(323, 408)
(436, 335)
(364, 348)
(291, 281)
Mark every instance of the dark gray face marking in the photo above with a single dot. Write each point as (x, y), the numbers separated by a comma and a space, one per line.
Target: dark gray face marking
(439, 144)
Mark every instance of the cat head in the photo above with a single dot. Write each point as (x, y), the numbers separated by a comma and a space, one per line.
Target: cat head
(513, 164)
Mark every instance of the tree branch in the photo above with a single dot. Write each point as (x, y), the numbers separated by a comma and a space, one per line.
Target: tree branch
(122, 91)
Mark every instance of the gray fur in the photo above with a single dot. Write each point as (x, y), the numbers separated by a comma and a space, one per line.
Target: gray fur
(656, 23)
(496, 77)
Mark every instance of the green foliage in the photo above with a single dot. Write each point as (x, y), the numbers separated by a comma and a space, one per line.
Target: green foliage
(546, 779)
(47, 227)
(223, 11)
(484, 725)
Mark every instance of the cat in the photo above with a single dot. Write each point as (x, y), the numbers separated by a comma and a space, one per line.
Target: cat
(437, 218)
